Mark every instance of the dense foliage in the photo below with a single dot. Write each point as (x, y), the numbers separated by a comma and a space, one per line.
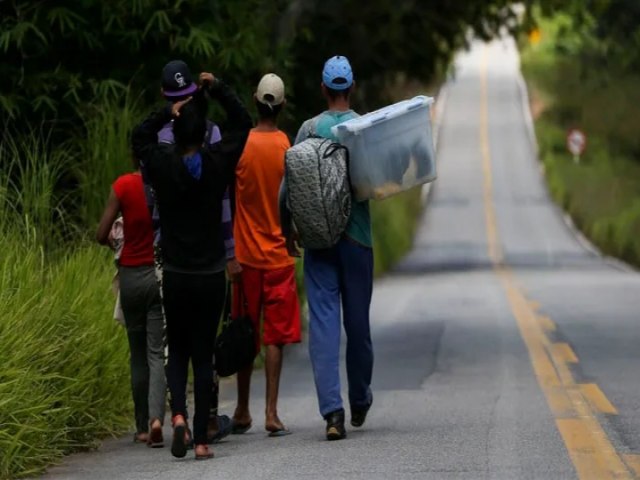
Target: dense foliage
(58, 55)
(585, 73)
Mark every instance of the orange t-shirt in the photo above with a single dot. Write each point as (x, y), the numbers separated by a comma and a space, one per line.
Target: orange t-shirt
(257, 231)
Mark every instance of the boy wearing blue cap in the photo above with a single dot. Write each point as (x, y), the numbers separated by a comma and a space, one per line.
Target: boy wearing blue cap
(341, 275)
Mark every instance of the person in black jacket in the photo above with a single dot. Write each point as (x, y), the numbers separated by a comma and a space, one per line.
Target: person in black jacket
(189, 180)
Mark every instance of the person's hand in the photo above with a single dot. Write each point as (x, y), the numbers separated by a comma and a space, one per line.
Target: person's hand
(175, 108)
(234, 270)
(292, 246)
(206, 77)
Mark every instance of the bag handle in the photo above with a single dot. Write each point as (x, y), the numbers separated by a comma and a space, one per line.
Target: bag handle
(331, 149)
(226, 312)
(241, 297)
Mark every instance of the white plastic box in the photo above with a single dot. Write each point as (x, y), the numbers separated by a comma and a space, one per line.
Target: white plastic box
(391, 149)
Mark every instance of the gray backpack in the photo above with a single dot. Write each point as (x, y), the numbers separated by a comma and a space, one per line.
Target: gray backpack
(318, 191)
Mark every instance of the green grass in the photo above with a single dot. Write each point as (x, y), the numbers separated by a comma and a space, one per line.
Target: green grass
(602, 192)
(64, 376)
(64, 362)
(105, 153)
(395, 221)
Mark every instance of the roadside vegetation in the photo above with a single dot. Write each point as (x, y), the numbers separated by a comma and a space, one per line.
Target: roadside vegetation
(584, 73)
(63, 375)
(64, 130)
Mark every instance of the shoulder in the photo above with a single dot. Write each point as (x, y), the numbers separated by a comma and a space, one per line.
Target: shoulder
(125, 179)
(165, 135)
(307, 129)
(126, 182)
(311, 124)
(283, 138)
(160, 153)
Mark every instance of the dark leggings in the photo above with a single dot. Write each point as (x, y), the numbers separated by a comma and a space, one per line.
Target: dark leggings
(193, 305)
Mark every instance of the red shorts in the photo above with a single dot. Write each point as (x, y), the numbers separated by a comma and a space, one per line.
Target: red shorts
(274, 294)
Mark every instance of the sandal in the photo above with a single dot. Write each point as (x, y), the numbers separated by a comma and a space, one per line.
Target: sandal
(140, 437)
(240, 428)
(156, 439)
(179, 444)
(203, 452)
(279, 432)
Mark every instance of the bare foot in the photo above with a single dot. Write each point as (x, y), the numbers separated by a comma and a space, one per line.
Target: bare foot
(141, 437)
(241, 417)
(272, 423)
(202, 452)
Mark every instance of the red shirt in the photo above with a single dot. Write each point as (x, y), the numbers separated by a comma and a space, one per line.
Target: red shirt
(138, 230)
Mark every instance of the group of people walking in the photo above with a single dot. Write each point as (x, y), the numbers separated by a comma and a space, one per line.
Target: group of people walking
(206, 207)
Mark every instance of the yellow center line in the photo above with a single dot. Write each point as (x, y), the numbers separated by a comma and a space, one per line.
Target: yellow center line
(591, 451)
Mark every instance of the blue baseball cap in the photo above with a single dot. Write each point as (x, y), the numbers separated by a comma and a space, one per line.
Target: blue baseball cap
(337, 73)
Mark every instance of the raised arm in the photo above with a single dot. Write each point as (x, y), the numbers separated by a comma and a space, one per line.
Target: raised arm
(145, 136)
(228, 150)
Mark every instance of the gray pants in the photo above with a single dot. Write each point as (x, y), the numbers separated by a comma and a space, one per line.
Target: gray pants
(140, 299)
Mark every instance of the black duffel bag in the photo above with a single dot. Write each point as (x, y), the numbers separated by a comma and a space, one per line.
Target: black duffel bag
(235, 347)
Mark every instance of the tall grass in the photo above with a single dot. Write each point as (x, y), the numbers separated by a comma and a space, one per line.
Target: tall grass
(30, 170)
(63, 361)
(106, 152)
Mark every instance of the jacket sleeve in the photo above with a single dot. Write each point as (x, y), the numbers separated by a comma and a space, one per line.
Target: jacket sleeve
(228, 150)
(144, 140)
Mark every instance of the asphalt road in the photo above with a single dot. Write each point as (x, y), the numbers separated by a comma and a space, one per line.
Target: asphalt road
(505, 349)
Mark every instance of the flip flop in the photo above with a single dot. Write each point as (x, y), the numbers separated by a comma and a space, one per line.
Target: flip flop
(155, 438)
(206, 456)
(178, 445)
(137, 439)
(225, 427)
(280, 432)
(239, 429)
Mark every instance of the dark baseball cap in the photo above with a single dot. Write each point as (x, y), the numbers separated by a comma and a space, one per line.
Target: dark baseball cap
(177, 80)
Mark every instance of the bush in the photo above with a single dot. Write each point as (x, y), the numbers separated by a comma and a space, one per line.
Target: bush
(602, 192)
(64, 376)
(394, 225)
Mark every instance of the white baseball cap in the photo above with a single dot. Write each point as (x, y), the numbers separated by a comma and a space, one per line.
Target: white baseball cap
(270, 90)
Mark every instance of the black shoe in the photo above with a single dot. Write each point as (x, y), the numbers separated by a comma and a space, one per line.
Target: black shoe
(335, 425)
(359, 415)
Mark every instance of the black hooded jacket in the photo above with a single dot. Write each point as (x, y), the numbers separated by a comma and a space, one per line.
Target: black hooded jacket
(192, 239)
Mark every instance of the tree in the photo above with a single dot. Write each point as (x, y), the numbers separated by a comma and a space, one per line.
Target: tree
(59, 54)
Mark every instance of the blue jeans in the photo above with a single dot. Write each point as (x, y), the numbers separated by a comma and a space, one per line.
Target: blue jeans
(341, 274)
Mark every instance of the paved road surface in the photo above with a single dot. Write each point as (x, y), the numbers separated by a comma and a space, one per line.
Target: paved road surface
(504, 348)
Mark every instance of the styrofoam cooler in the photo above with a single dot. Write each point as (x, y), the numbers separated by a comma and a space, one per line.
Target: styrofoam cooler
(391, 149)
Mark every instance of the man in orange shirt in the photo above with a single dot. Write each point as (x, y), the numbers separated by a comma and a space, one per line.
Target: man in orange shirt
(268, 285)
